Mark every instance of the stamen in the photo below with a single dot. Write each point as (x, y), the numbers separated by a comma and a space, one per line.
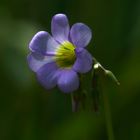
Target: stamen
(65, 55)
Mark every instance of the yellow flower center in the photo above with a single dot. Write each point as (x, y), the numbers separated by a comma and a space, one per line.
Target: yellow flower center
(65, 55)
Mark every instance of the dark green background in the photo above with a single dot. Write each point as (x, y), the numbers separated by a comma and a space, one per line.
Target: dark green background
(28, 111)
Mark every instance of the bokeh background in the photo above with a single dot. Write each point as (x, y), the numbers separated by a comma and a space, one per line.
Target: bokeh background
(28, 111)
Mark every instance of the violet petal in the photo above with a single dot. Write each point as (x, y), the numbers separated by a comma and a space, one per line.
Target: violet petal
(60, 27)
(68, 81)
(80, 34)
(36, 61)
(43, 43)
(47, 75)
(83, 62)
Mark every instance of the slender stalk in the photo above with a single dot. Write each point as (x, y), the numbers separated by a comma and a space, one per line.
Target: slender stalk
(75, 102)
(108, 117)
(102, 75)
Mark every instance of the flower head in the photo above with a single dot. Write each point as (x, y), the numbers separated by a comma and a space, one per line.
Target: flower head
(58, 58)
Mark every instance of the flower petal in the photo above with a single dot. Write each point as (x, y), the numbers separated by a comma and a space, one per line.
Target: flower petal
(68, 81)
(43, 43)
(83, 62)
(80, 34)
(60, 27)
(47, 75)
(36, 61)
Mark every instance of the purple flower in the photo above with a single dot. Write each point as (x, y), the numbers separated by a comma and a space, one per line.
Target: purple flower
(58, 58)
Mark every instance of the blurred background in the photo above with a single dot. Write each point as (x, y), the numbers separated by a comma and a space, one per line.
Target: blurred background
(28, 111)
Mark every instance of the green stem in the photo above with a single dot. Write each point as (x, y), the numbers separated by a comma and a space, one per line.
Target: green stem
(102, 74)
(75, 102)
(108, 117)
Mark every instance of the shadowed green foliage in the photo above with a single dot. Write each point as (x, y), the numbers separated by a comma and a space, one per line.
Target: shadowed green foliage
(28, 111)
